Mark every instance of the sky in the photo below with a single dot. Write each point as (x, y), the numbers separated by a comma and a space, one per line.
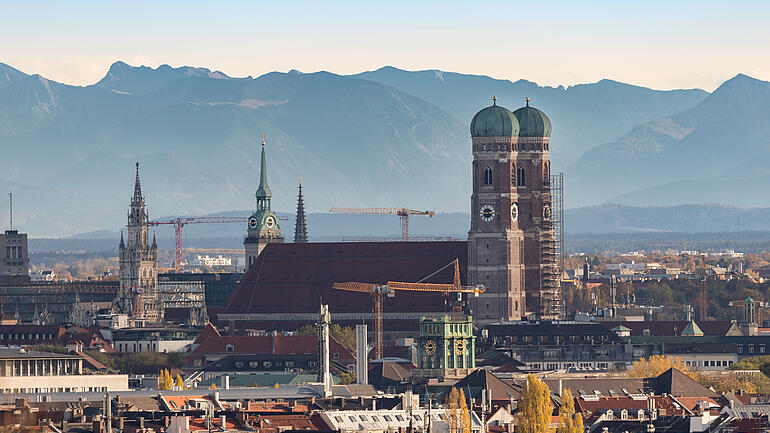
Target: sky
(663, 45)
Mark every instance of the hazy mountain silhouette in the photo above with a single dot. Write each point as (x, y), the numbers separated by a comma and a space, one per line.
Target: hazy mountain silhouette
(582, 116)
(717, 151)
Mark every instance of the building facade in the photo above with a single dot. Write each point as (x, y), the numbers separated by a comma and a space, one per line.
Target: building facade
(446, 348)
(24, 371)
(139, 264)
(511, 242)
(14, 254)
(263, 226)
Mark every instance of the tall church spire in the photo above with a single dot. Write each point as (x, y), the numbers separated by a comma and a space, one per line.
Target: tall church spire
(263, 191)
(137, 186)
(300, 227)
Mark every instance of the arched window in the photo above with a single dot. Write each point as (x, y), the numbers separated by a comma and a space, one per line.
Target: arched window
(488, 176)
(521, 174)
(513, 174)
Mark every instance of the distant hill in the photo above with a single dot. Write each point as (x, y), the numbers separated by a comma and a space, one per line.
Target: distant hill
(582, 116)
(70, 150)
(717, 151)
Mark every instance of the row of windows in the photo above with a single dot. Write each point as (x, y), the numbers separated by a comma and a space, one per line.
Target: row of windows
(557, 339)
(47, 390)
(518, 176)
(709, 363)
(557, 366)
(749, 348)
(515, 147)
(30, 336)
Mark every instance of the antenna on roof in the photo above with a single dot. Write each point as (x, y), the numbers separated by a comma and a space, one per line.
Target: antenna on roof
(10, 210)
(527, 99)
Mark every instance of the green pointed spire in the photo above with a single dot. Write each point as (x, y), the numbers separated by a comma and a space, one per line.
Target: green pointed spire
(263, 191)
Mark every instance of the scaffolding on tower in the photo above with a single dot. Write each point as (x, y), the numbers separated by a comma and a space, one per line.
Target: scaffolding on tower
(550, 299)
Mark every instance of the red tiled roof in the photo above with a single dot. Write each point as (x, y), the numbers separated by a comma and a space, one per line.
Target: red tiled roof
(266, 345)
(292, 278)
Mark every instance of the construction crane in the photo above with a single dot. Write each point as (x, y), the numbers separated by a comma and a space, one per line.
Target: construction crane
(401, 212)
(378, 291)
(178, 223)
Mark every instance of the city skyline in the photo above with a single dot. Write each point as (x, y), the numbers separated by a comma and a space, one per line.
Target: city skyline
(657, 45)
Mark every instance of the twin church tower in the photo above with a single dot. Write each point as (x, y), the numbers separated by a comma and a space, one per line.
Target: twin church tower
(512, 243)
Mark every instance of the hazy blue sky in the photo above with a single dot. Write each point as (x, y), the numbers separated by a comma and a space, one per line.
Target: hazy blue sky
(663, 44)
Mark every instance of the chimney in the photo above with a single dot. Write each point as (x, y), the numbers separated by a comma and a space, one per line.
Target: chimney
(225, 381)
(223, 422)
(141, 423)
(560, 387)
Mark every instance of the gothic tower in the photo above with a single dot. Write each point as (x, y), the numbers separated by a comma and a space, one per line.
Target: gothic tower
(533, 182)
(495, 241)
(263, 227)
(139, 264)
(300, 226)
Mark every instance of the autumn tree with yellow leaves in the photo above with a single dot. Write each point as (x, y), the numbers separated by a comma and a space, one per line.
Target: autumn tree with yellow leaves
(569, 421)
(656, 365)
(535, 408)
(179, 383)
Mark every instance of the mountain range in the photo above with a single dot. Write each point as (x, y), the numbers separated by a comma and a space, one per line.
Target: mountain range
(381, 138)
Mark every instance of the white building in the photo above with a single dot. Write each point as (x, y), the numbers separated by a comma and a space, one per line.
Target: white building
(163, 340)
(24, 371)
(424, 420)
(212, 262)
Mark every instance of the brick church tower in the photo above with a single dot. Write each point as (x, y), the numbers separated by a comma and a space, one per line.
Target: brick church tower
(511, 243)
(139, 264)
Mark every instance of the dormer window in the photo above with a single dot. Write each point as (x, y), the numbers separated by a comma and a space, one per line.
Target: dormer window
(229, 348)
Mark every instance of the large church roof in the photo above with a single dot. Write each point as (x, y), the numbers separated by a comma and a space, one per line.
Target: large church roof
(294, 278)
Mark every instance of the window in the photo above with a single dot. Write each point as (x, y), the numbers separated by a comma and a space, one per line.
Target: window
(522, 180)
(761, 348)
(610, 415)
(253, 364)
(739, 348)
(363, 418)
(399, 418)
(229, 348)
(352, 418)
(623, 414)
(418, 417)
(488, 176)
(751, 348)
(267, 364)
(387, 418)
(238, 364)
(290, 363)
(198, 362)
(336, 355)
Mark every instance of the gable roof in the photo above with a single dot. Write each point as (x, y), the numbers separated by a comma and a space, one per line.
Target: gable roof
(678, 384)
(383, 374)
(290, 278)
(481, 379)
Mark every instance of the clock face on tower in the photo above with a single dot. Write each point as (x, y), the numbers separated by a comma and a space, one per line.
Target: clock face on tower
(514, 211)
(252, 223)
(270, 222)
(430, 347)
(487, 212)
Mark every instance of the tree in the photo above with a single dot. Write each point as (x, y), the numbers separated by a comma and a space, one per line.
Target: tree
(657, 364)
(179, 382)
(464, 415)
(213, 386)
(452, 405)
(535, 408)
(569, 421)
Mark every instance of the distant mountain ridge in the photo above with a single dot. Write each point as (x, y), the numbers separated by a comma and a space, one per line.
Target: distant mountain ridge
(380, 138)
(689, 156)
(583, 115)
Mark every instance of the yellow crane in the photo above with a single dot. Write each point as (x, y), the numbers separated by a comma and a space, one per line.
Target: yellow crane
(401, 212)
(378, 291)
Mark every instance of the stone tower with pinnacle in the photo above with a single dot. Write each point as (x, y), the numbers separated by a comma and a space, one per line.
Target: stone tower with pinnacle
(300, 226)
(139, 264)
(263, 227)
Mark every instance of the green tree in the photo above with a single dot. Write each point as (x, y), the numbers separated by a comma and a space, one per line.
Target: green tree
(569, 421)
(535, 408)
